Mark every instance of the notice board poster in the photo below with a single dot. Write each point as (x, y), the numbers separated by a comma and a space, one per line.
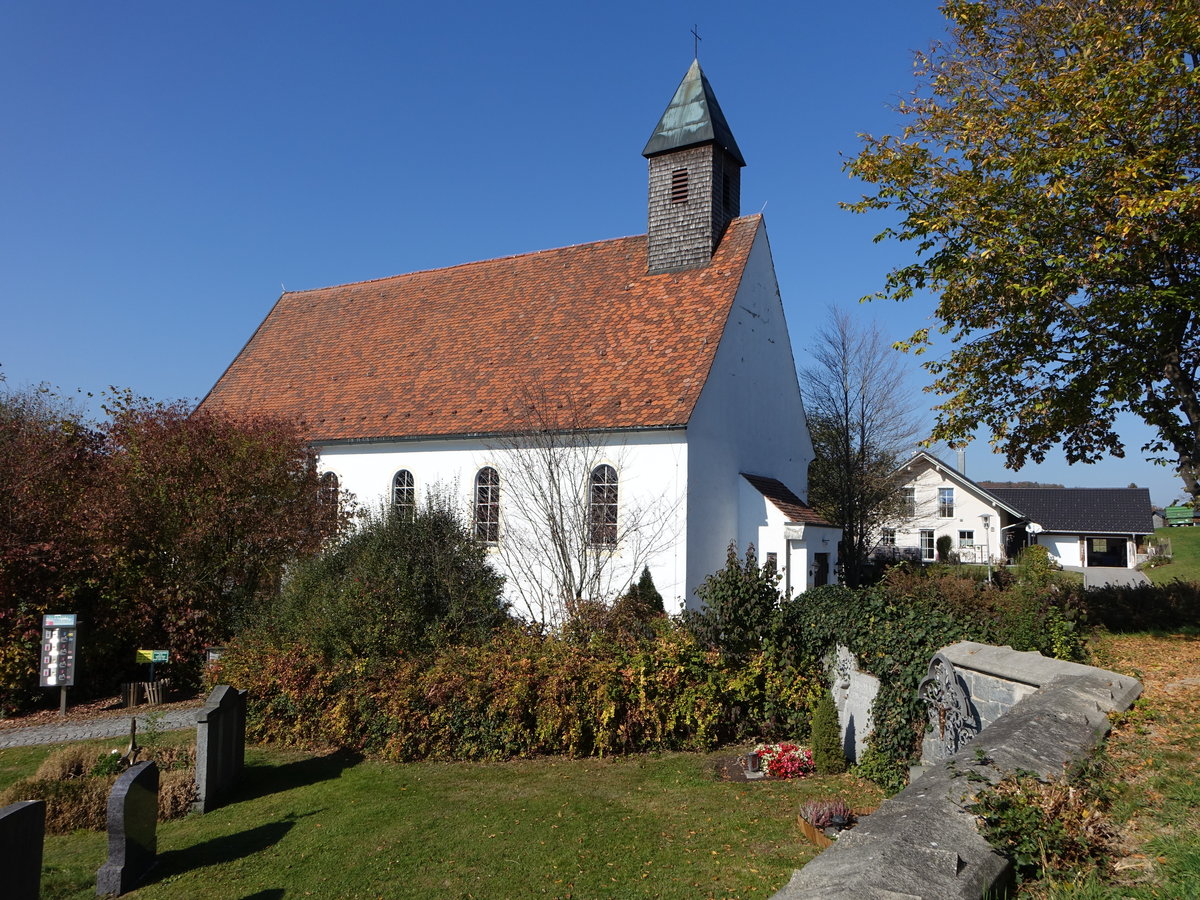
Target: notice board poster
(58, 650)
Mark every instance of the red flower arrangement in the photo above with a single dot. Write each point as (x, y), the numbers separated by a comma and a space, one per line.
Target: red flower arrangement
(786, 760)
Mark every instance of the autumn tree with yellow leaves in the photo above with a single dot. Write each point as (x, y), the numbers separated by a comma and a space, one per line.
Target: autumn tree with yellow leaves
(1047, 178)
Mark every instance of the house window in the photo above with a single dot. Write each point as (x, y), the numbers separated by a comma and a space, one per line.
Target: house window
(927, 547)
(404, 495)
(773, 562)
(946, 502)
(908, 501)
(602, 506)
(888, 538)
(679, 186)
(487, 505)
(966, 539)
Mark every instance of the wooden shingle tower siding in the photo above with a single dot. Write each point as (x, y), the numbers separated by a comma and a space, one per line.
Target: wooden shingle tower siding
(695, 178)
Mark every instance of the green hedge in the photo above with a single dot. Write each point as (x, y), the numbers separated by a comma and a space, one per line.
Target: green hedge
(520, 695)
(601, 687)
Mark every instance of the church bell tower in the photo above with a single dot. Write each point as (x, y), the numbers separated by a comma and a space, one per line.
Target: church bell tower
(695, 178)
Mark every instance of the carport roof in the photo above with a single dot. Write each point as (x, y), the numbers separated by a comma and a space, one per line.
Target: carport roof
(1083, 510)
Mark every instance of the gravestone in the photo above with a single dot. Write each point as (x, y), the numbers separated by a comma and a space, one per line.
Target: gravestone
(132, 830)
(953, 722)
(220, 745)
(854, 694)
(22, 832)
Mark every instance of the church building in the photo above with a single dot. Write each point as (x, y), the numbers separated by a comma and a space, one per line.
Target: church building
(593, 409)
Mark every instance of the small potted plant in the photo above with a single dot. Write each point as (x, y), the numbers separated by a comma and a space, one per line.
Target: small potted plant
(822, 820)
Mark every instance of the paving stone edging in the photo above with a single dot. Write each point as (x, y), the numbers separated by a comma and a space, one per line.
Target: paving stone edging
(111, 727)
(922, 844)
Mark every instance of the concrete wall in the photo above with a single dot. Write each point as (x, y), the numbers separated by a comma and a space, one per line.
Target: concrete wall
(748, 418)
(923, 842)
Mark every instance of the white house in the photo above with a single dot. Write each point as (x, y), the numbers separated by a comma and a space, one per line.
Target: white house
(661, 363)
(1103, 527)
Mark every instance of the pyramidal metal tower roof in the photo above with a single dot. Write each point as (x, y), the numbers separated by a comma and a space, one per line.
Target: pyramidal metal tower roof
(693, 117)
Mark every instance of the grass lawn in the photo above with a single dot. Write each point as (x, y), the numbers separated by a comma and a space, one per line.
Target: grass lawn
(1185, 553)
(657, 825)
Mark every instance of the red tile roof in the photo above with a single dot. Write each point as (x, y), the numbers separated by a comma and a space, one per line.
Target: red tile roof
(583, 332)
(785, 501)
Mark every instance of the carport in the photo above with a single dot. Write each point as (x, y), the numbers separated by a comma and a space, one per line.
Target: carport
(1106, 552)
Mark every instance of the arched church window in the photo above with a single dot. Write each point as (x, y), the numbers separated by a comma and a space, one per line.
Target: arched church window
(602, 506)
(329, 487)
(404, 495)
(487, 505)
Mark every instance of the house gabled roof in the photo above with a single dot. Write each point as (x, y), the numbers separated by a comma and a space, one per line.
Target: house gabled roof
(926, 458)
(783, 499)
(582, 333)
(1084, 510)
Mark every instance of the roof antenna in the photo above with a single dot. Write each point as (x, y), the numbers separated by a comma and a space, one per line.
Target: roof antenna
(696, 39)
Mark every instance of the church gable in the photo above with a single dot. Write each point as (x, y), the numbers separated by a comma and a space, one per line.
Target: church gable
(465, 350)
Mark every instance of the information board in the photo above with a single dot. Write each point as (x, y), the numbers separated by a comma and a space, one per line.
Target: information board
(58, 650)
(153, 656)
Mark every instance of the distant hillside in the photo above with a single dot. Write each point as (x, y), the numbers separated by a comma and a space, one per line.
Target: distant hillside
(988, 485)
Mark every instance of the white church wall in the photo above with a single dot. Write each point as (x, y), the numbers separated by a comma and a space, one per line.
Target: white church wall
(761, 523)
(651, 468)
(748, 418)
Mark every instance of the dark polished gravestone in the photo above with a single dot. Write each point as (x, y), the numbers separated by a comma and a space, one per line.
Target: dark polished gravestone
(132, 830)
(22, 833)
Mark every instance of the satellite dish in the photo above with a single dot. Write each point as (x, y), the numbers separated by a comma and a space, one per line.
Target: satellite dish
(1034, 528)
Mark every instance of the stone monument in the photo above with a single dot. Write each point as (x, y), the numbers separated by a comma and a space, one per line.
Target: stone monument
(22, 832)
(132, 830)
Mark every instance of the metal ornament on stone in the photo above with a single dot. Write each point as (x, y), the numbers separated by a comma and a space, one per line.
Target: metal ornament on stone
(952, 718)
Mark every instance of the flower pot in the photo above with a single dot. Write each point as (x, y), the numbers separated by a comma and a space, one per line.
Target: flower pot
(816, 836)
(813, 834)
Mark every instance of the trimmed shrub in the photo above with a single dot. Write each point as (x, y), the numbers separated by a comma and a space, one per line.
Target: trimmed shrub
(945, 544)
(828, 755)
(71, 804)
(72, 761)
(739, 604)
(1145, 607)
(75, 782)
(520, 694)
(396, 585)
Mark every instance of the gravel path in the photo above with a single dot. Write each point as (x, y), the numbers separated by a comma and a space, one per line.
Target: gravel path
(111, 726)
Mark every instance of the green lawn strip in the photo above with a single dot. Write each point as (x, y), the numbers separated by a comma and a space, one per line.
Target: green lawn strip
(642, 826)
(1185, 556)
(18, 762)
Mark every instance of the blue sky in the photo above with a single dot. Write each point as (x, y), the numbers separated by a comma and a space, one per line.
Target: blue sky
(167, 168)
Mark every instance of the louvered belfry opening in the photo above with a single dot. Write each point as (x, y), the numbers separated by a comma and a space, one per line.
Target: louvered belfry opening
(679, 186)
(695, 178)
